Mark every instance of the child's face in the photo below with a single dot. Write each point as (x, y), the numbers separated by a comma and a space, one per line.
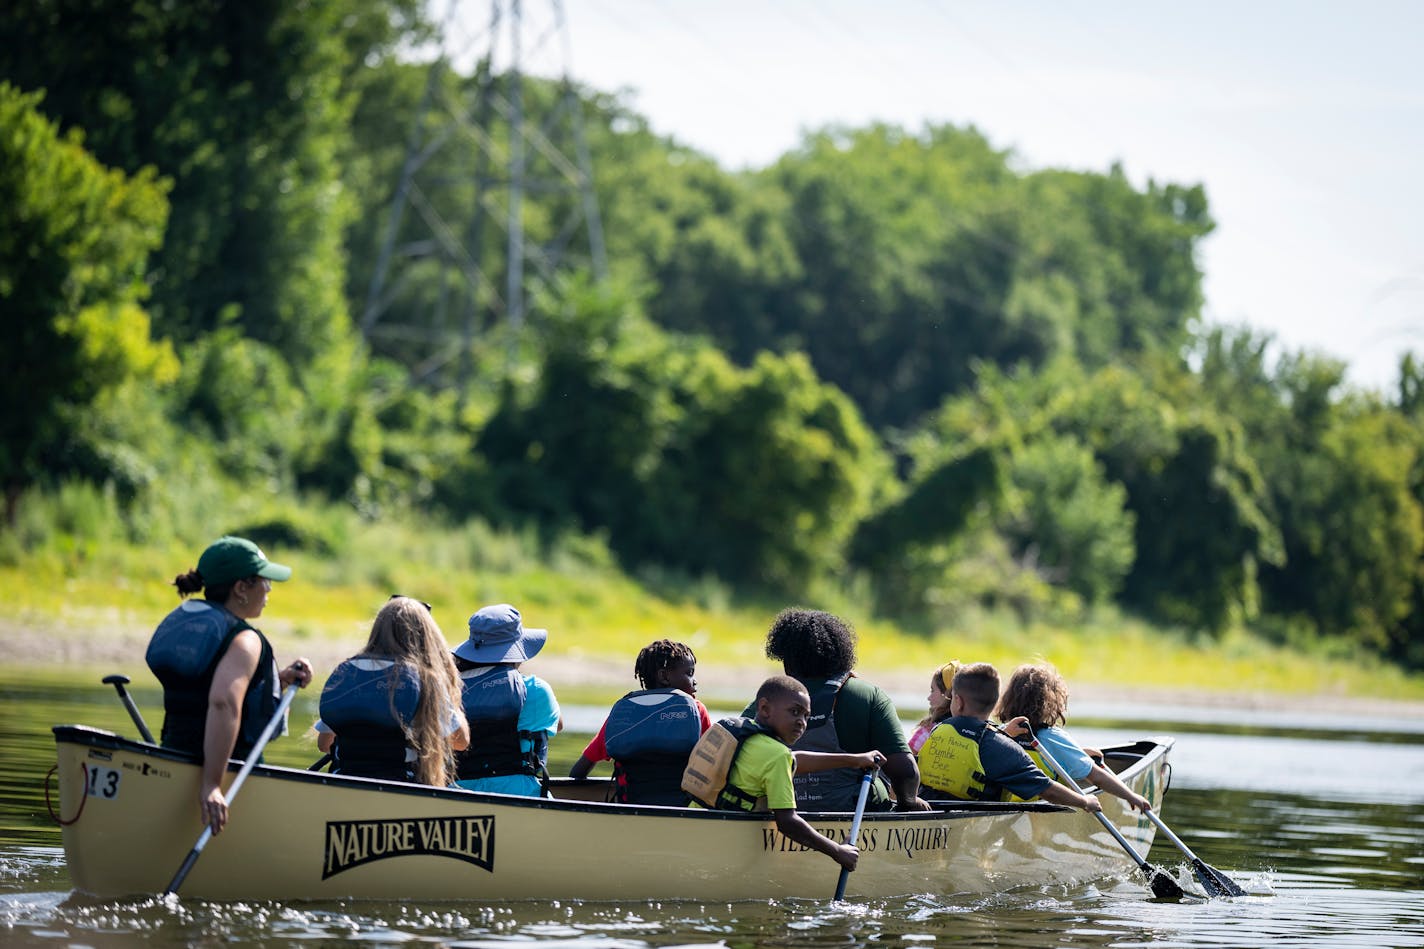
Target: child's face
(785, 715)
(680, 675)
(938, 699)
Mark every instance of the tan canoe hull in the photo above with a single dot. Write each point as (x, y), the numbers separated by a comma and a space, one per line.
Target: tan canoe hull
(297, 835)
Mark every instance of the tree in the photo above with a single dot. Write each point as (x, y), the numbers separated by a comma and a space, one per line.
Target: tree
(73, 247)
(239, 105)
(1065, 520)
(1341, 467)
(757, 475)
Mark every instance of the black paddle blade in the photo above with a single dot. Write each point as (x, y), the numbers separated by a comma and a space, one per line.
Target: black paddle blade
(1163, 886)
(1216, 882)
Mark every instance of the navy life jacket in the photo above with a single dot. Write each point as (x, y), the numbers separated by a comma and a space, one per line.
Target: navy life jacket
(649, 735)
(184, 654)
(838, 789)
(493, 698)
(371, 711)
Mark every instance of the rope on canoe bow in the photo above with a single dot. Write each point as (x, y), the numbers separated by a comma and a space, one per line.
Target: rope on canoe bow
(83, 796)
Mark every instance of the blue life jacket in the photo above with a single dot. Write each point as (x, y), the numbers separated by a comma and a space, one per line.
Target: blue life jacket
(649, 735)
(493, 698)
(838, 789)
(371, 711)
(184, 654)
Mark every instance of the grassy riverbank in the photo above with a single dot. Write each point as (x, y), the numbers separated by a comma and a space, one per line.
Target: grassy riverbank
(82, 606)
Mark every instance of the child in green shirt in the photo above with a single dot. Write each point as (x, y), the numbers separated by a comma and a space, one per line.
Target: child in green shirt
(764, 764)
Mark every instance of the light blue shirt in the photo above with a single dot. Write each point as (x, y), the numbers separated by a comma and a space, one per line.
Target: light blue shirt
(1065, 751)
(540, 714)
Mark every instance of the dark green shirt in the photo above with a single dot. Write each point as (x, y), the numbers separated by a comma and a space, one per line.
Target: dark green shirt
(866, 720)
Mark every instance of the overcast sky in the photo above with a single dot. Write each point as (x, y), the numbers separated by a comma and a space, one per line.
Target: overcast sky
(1304, 120)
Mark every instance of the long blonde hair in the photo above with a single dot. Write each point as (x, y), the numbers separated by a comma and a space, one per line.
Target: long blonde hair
(405, 631)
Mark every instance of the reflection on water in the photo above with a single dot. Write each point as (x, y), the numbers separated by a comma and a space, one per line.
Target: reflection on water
(1327, 835)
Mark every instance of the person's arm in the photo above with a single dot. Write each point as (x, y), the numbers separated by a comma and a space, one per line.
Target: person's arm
(596, 751)
(1111, 783)
(1057, 793)
(794, 827)
(230, 680)
(325, 737)
(885, 734)
(808, 762)
(904, 777)
(460, 737)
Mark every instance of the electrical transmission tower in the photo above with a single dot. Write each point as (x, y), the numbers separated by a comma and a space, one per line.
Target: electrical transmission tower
(489, 144)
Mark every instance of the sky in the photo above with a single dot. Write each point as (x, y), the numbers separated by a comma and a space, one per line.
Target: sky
(1303, 120)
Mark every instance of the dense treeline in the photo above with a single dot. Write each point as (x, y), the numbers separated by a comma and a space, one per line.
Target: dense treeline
(893, 360)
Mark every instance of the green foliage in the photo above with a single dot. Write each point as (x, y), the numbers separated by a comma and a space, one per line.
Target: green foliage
(757, 475)
(1067, 522)
(716, 417)
(1179, 479)
(1340, 472)
(907, 248)
(237, 104)
(768, 483)
(1123, 259)
(72, 251)
(936, 507)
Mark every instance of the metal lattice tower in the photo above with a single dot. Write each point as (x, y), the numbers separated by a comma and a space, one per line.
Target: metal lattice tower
(476, 151)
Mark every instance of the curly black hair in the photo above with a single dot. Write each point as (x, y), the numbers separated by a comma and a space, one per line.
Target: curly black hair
(811, 643)
(659, 655)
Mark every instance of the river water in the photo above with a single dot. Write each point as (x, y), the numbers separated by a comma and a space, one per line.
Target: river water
(1324, 827)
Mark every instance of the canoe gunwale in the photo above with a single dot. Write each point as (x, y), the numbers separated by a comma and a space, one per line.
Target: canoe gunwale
(1142, 752)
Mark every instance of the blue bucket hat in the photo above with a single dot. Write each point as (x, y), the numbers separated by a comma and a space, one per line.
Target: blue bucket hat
(498, 635)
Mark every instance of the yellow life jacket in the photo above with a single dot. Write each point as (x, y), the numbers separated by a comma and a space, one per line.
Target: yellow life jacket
(950, 763)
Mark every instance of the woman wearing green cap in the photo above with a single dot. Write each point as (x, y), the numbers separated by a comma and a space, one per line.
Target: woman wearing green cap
(220, 680)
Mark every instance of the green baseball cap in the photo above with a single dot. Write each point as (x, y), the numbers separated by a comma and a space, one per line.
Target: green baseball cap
(229, 559)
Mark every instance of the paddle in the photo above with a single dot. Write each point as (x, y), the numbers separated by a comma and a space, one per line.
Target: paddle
(287, 695)
(1213, 880)
(118, 682)
(1163, 886)
(855, 827)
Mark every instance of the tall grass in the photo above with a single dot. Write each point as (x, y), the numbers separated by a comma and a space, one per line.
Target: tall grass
(77, 564)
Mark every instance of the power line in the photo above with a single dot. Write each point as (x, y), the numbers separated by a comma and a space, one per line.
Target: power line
(484, 116)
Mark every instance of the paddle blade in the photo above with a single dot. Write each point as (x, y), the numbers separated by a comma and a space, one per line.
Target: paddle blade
(1216, 882)
(1163, 886)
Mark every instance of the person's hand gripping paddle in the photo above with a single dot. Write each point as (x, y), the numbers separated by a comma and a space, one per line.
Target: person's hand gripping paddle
(287, 695)
(1163, 886)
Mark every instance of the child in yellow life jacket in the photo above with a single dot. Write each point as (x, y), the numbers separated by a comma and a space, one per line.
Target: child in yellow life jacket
(761, 766)
(967, 759)
(1037, 697)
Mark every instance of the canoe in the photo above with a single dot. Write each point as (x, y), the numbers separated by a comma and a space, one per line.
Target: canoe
(304, 835)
